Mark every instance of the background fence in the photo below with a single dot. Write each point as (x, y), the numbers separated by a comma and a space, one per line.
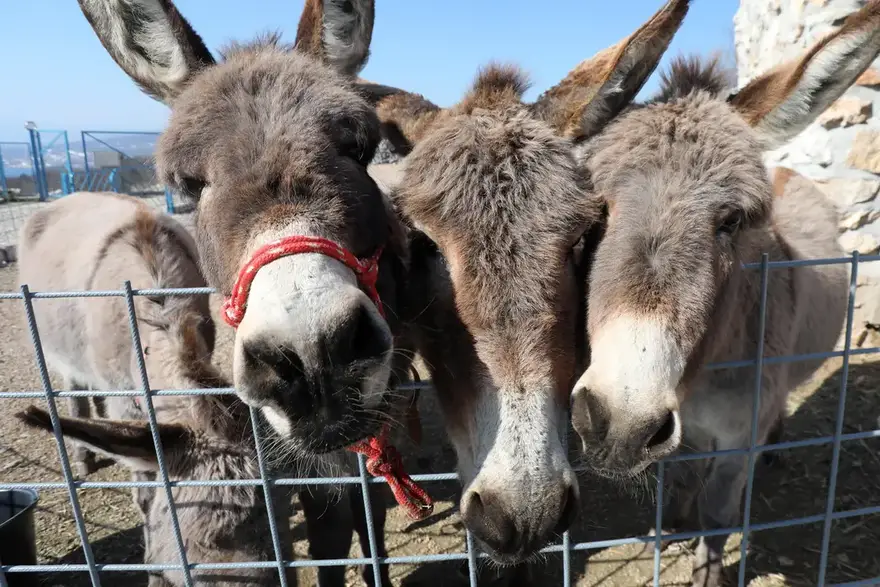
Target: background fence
(51, 164)
(566, 548)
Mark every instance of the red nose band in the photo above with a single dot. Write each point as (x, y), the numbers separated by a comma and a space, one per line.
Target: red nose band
(366, 270)
(382, 458)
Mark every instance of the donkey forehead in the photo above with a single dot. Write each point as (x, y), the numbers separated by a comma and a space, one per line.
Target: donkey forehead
(694, 149)
(503, 196)
(496, 177)
(237, 107)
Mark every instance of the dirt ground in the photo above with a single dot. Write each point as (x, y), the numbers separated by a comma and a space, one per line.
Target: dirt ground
(797, 487)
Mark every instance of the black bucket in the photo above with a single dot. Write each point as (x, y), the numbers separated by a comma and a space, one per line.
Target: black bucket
(18, 545)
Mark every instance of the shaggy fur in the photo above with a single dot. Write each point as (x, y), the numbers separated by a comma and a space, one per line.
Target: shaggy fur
(274, 141)
(689, 201)
(494, 184)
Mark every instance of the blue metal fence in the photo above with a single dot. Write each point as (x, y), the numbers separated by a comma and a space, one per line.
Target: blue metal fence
(565, 547)
(15, 157)
(119, 161)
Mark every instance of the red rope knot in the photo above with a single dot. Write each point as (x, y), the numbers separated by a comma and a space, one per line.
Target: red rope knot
(383, 460)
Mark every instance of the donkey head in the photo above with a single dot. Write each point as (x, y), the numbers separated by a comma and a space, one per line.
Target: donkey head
(273, 142)
(218, 524)
(494, 183)
(688, 200)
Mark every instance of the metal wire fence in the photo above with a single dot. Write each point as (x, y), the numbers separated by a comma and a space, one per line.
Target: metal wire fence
(566, 547)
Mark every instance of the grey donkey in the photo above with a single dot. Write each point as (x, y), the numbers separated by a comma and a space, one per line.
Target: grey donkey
(91, 241)
(688, 201)
(272, 142)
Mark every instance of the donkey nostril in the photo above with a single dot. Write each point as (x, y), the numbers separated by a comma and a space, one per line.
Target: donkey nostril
(359, 338)
(485, 517)
(281, 361)
(665, 433)
(569, 510)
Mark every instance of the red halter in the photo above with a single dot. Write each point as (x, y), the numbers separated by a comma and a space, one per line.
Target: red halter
(382, 458)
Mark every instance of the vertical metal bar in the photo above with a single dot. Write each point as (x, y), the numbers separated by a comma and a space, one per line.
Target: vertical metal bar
(270, 506)
(85, 152)
(838, 425)
(756, 407)
(658, 523)
(472, 558)
(3, 582)
(3, 186)
(44, 177)
(169, 200)
(67, 152)
(368, 515)
(78, 517)
(566, 559)
(566, 536)
(154, 428)
(35, 161)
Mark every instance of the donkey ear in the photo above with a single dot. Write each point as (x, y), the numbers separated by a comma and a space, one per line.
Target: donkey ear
(337, 31)
(784, 101)
(404, 117)
(150, 41)
(597, 89)
(129, 442)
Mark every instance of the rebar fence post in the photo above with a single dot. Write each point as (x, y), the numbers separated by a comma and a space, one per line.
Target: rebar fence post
(368, 515)
(756, 409)
(838, 424)
(154, 429)
(658, 522)
(78, 517)
(270, 505)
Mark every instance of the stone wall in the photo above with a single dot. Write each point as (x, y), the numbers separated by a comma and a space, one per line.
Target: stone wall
(841, 150)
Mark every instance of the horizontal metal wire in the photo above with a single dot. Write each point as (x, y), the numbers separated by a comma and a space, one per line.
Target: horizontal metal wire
(552, 549)
(422, 385)
(423, 477)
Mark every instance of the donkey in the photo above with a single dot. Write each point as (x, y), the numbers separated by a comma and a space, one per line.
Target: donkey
(492, 187)
(89, 241)
(688, 201)
(272, 143)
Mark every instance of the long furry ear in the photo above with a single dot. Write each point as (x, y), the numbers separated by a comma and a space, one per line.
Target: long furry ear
(338, 32)
(405, 119)
(151, 41)
(128, 441)
(783, 102)
(599, 88)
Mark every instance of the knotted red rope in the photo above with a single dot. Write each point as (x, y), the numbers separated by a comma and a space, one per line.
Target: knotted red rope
(382, 458)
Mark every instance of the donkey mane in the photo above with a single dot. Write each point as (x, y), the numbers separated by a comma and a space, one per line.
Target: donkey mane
(269, 40)
(496, 85)
(688, 74)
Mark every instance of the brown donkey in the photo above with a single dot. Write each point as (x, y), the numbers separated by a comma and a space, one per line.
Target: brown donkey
(688, 201)
(272, 143)
(493, 181)
(94, 241)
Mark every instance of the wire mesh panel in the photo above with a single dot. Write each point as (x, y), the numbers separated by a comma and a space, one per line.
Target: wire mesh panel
(124, 161)
(596, 552)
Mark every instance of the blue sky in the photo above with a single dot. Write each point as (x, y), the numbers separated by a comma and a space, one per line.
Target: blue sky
(56, 73)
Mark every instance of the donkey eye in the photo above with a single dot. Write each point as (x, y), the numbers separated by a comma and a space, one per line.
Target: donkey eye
(192, 187)
(730, 222)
